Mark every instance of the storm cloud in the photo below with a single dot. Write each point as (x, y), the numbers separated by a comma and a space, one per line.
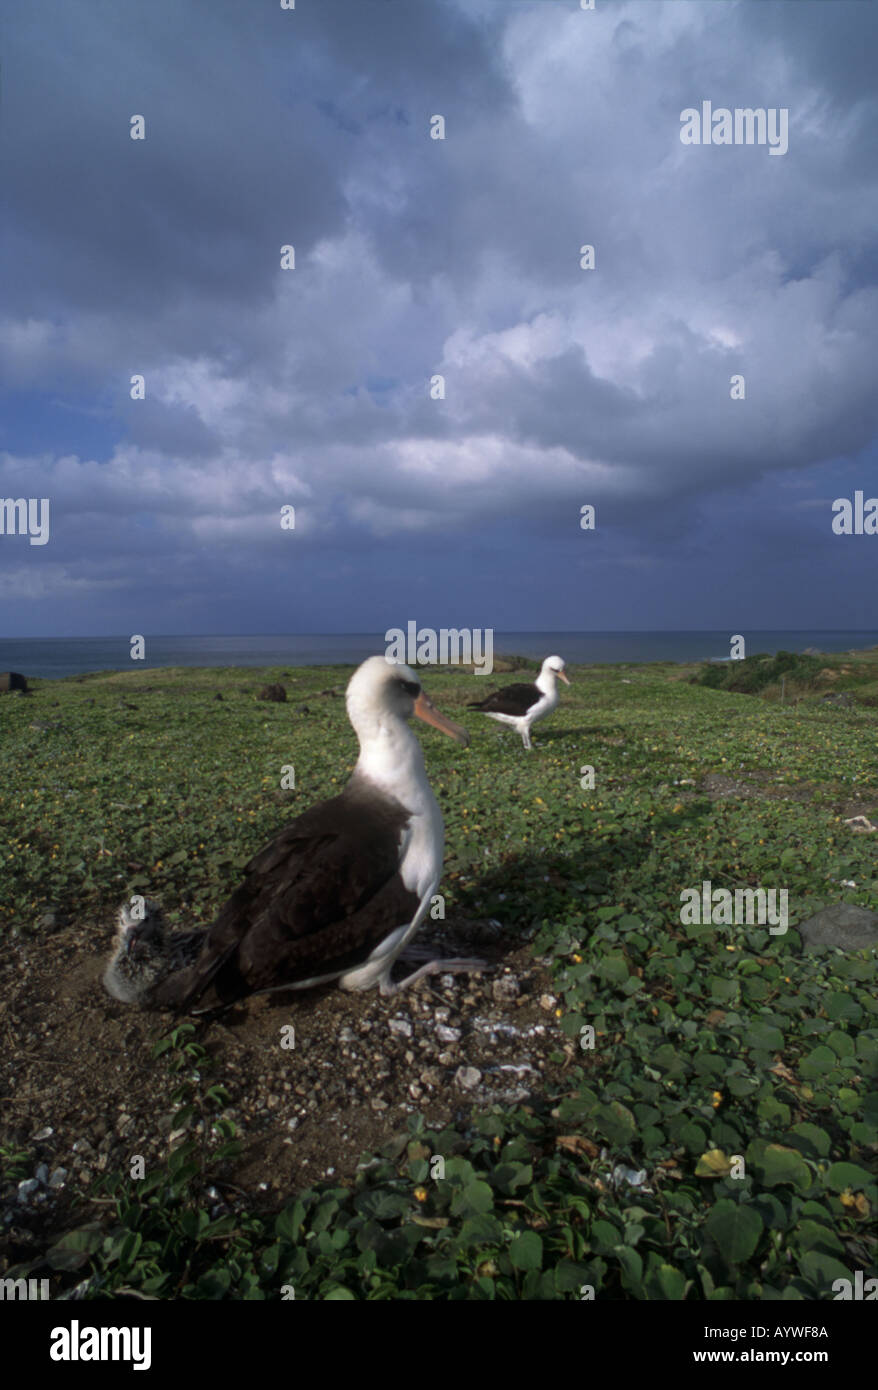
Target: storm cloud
(416, 258)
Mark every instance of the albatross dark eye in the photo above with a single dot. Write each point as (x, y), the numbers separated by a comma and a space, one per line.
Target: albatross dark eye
(411, 688)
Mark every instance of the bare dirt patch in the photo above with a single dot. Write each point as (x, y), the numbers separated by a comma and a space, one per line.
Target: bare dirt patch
(80, 1065)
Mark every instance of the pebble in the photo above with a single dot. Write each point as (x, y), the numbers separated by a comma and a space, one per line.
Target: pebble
(547, 1002)
(505, 989)
(43, 1134)
(401, 1025)
(42, 1174)
(447, 1035)
(26, 1189)
(58, 1178)
(467, 1077)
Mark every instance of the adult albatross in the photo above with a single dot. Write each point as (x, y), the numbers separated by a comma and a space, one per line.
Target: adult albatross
(522, 705)
(336, 896)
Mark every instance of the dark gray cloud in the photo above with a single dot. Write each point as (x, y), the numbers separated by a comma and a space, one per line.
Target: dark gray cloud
(417, 257)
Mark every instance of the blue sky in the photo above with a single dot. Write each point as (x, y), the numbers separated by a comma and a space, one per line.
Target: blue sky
(414, 257)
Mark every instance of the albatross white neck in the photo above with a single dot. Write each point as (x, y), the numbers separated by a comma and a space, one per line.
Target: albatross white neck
(391, 757)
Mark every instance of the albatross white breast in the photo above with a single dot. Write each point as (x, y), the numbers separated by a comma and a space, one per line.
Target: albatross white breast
(522, 705)
(337, 895)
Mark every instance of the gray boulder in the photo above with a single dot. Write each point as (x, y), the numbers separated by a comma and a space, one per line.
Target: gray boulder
(845, 925)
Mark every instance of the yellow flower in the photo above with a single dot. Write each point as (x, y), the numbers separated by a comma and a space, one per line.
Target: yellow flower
(421, 1194)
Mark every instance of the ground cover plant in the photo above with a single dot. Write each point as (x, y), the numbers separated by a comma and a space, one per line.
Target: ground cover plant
(711, 1043)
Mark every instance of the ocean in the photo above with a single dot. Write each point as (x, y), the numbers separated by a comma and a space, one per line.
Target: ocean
(53, 657)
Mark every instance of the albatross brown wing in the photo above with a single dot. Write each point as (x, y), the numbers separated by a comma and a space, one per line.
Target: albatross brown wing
(316, 900)
(512, 699)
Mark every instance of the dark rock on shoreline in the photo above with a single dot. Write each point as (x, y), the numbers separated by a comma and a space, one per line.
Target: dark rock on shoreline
(11, 681)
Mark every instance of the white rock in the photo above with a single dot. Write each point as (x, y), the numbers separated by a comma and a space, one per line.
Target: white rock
(467, 1077)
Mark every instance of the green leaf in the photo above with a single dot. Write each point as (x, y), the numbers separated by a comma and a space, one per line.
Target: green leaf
(813, 1235)
(777, 1164)
(735, 1228)
(288, 1223)
(664, 1281)
(383, 1205)
(818, 1062)
(613, 969)
(844, 1175)
(764, 1038)
(822, 1270)
(812, 1140)
(475, 1197)
(632, 1267)
(509, 1176)
(214, 1284)
(526, 1251)
(615, 1122)
(73, 1250)
(842, 1006)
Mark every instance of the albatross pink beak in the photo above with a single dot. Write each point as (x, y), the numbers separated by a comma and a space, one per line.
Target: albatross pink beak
(426, 710)
(562, 677)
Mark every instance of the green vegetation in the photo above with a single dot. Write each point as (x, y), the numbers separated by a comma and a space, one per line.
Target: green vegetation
(710, 1041)
(794, 673)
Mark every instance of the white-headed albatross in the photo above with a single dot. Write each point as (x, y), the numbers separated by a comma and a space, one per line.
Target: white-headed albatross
(336, 896)
(522, 705)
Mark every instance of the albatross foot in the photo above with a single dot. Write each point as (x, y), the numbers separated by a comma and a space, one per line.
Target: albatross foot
(442, 966)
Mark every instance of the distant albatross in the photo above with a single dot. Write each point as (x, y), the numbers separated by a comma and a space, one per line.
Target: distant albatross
(336, 896)
(522, 705)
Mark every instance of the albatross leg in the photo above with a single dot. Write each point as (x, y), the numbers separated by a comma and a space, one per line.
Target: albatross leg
(441, 966)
